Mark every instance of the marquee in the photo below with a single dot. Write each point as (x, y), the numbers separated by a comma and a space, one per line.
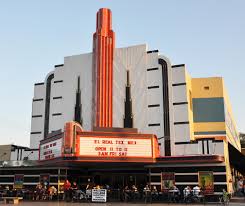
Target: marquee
(50, 150)
(115, 146)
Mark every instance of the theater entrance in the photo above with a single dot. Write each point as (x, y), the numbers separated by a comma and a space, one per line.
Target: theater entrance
(119, 181)
(114, 175)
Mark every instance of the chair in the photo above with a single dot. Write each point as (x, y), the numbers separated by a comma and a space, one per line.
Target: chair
(79, 195)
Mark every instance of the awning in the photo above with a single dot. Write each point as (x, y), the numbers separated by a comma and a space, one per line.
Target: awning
(237, 159)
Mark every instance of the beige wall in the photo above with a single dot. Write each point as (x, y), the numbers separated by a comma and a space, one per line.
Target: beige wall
(5, 152)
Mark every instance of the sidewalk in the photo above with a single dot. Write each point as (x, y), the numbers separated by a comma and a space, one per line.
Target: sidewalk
(112, 204)
(238, 199)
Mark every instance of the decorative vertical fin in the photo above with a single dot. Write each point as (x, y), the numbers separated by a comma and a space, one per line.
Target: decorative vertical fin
(167, 140)
(128, 116)
(78, 106)
(47, 105)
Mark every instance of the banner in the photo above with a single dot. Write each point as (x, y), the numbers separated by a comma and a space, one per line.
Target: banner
(168, 180)
(18, 181)
(206, 182)
(44, 179)
(99, 195)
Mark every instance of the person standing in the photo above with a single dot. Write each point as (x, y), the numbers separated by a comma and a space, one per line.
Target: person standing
(67, 186)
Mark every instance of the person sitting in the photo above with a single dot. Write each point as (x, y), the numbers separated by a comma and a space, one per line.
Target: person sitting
(147, 193)
(240, 187)
(147, 188)
(135, 192)
(154, 193)
(38, 191)
(197, 194)
(44, 193)
(196, 190)
(126, 194)
(187, 194)
(74, 186)
(52, 192)
(134, 188)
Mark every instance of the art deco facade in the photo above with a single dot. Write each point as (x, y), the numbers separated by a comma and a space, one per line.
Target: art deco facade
(133, 87)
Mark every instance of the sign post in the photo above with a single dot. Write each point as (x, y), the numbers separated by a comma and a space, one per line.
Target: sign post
(99, 195)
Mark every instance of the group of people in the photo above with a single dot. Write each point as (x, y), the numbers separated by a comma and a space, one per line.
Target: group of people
(8, 191)
(69, 190)
(192, 194)
(133, 193)
(130, 193)
(43, 192)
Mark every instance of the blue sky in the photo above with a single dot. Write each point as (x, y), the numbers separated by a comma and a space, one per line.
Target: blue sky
(207, 35)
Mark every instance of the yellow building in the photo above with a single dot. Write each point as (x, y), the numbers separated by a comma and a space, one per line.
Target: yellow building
(212, 116)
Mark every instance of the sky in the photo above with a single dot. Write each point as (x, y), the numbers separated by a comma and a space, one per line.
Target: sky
(208, 36)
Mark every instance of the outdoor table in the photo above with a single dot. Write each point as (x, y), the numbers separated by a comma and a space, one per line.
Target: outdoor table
(135, 195)
(127, 195)
(172, 195)
(155, 195)
(215, 195)
(147, 195)
(113, 194)
(164, 195)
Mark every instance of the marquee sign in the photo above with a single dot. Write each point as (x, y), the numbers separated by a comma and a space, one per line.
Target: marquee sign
(115, 147)
(50, 150)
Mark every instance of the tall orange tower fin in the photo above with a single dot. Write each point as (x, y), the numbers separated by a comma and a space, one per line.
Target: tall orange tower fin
(103, 50)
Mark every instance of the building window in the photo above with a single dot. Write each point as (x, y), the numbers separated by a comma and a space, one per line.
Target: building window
(154, 105)
(58, 81)
(152, 125)
(152, 69)
(153, 87)
(56, 114)
(60, 97)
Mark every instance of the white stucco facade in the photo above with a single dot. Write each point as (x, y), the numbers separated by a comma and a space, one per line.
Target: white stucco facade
(146, 79)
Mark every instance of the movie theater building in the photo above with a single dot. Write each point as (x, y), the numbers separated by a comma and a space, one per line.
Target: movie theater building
(128, 116)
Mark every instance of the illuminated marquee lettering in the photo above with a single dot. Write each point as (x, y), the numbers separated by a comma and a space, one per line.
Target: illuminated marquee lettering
(115, 147)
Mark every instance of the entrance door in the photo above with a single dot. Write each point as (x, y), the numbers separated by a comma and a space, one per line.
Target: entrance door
(119, 181)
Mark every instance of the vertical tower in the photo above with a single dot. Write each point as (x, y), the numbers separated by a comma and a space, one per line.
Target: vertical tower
(103, 49)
